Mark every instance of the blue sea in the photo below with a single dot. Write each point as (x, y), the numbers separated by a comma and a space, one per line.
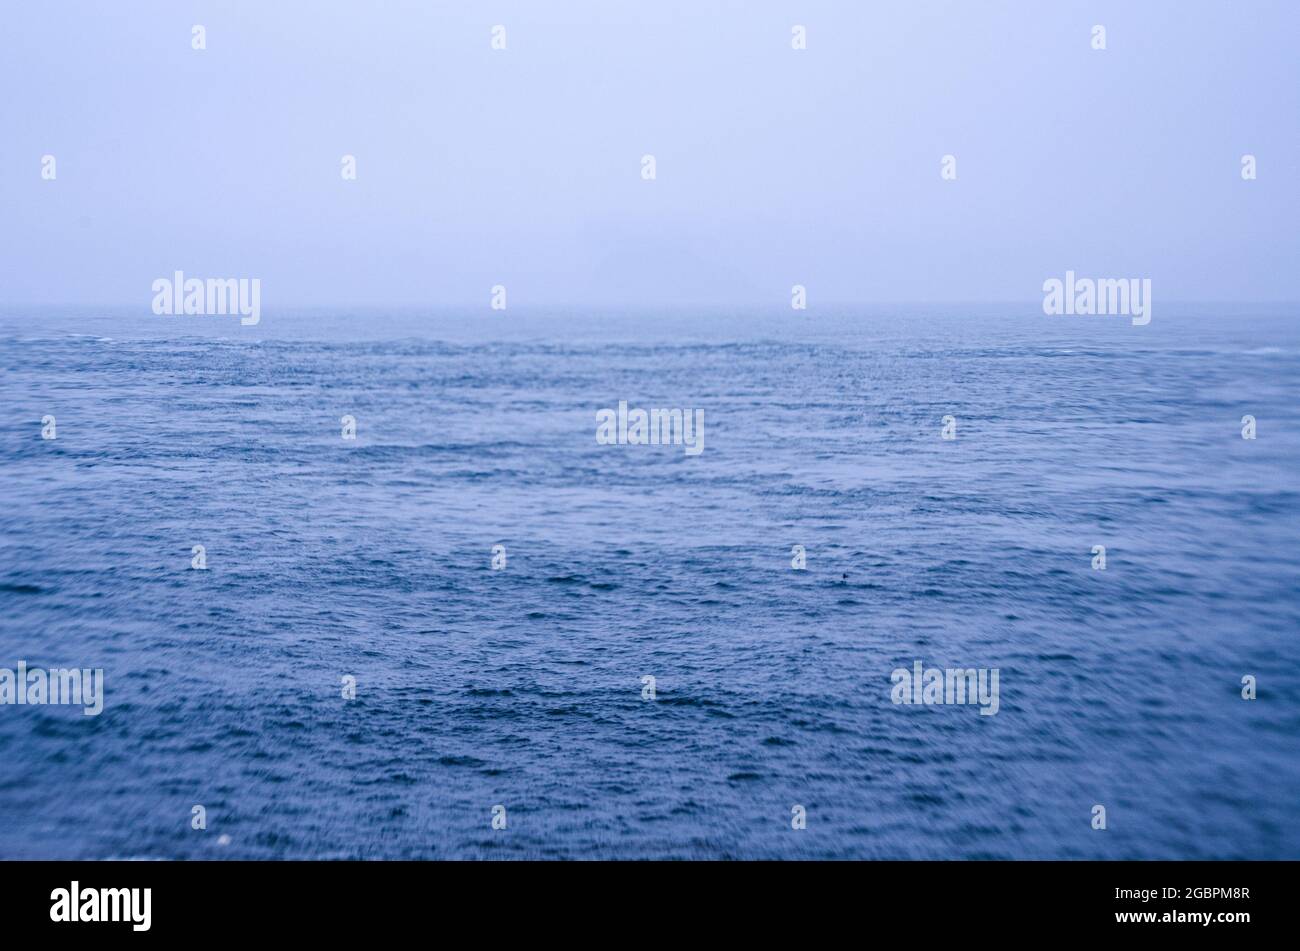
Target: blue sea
(523, 687)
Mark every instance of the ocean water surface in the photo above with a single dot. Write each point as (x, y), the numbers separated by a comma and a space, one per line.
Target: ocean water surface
(522, 687)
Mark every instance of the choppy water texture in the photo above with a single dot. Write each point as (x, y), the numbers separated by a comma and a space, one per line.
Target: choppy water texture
(522, 687)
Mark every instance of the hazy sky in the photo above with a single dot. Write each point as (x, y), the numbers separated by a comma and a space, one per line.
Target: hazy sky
(522, 167)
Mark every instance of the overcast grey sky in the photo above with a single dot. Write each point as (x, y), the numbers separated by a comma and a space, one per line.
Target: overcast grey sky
(522, 167)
